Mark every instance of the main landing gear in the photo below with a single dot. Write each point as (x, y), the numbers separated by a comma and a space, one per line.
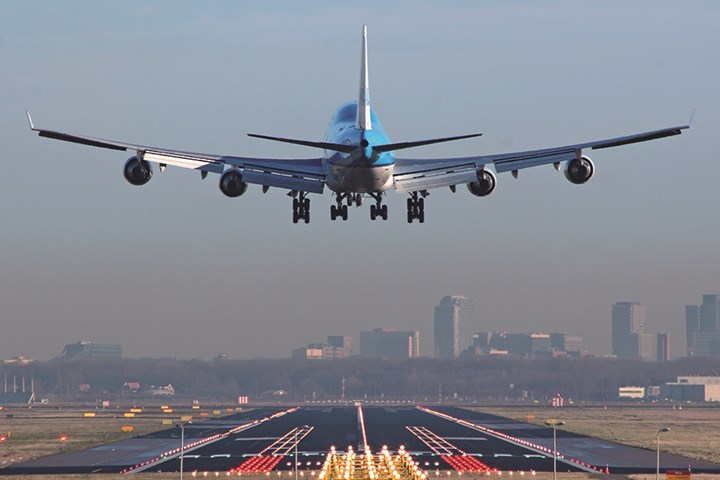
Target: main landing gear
(301, 207)
(378, 210)
(416, 206)
(341, 211)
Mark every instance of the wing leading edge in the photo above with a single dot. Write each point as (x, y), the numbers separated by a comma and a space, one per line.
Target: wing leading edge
(422, 174)
(304, 174)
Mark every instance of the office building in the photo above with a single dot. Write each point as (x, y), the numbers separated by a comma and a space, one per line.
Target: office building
(336, 348)
(390, 344)
(628, 320)
(702, 327)
(663, 347)
(566, 342)
(646, 346)
(81, 350)
(343, 342)
(454, 326)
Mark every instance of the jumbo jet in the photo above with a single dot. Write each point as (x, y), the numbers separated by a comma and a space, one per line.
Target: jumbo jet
(358, 162)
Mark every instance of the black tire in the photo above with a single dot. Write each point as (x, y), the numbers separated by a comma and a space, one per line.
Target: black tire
(333, 213)
(384, 212)
(345, 212)
(373, 213)
(410, 204)
(306, 204)
(421, 216)
(295, 217)
(410, 216)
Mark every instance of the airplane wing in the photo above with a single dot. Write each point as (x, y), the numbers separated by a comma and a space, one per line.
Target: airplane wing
(306, 174)
(422, 174)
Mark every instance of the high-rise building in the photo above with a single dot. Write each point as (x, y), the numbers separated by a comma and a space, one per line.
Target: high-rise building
(454, 324)
(390, 344)
(628, 320)
(663, 347)
(702, 327)
(646, 346)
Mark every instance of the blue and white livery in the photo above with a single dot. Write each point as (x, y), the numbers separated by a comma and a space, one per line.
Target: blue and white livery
(358, 162)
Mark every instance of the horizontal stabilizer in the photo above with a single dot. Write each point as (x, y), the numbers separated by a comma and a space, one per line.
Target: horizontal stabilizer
(336, 147)
(403, 145)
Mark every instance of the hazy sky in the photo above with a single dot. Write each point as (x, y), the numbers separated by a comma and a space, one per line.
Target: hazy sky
(174, 268)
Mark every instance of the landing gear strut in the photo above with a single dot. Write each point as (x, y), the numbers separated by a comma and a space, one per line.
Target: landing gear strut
(416, 207)
(301, 208)
(339, 210)
(378, 210)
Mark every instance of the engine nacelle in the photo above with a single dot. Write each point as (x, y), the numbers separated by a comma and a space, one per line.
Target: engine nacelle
(579, 171)
(485, 184)
(137, 172)
(231, 183)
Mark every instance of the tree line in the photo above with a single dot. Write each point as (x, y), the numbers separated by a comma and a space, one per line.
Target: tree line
(420, 380)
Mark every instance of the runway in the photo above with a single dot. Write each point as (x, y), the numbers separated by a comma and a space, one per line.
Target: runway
(438, 439)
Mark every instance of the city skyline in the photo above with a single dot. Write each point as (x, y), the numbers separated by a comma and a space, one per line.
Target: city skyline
(175, 269)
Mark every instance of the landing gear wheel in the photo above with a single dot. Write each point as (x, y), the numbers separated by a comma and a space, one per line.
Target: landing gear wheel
(344, 212)
(373, 212)
(333, 212)
(384, 212)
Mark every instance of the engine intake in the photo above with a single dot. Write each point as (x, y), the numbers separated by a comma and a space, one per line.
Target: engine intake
(137, 172)
(579, 171)
(485, 184)
(231, 183)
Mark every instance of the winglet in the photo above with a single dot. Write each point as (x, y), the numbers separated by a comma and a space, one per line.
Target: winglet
(363, 121)
(32, 127)
(692, 115)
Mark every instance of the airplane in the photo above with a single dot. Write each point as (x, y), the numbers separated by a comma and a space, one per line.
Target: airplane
(358, 162)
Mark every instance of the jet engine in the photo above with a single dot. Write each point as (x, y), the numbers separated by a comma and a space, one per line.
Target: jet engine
(137, 172)
(485, 184)
(579, 171)
(231, 183)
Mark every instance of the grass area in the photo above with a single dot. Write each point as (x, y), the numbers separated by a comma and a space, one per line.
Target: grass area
(36, 432)
(694, 431)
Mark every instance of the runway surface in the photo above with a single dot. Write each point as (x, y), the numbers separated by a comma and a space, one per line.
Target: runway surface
(438, 438)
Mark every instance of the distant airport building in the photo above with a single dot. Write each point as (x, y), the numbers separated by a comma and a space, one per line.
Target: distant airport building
(17, 391)
(628, 321)
(81, 350)
(692, 389)
(702, 327)
(635, 393)
(454, 322)
(390, 344)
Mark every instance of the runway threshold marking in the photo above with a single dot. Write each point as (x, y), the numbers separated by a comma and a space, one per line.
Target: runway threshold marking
(587, 467)
(190, 446)
(271, 455)
(452, 455)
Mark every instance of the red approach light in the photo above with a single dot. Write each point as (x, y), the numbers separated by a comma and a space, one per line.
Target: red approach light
(63, 438)
(3, 438)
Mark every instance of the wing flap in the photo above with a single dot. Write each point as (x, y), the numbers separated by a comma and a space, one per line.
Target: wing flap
(413, 182)
(289, 182)
(175, 160)
(533, 159)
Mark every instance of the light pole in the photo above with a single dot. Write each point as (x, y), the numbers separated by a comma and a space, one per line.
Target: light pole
(182, 446)
(554, 424)
(657, 464)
